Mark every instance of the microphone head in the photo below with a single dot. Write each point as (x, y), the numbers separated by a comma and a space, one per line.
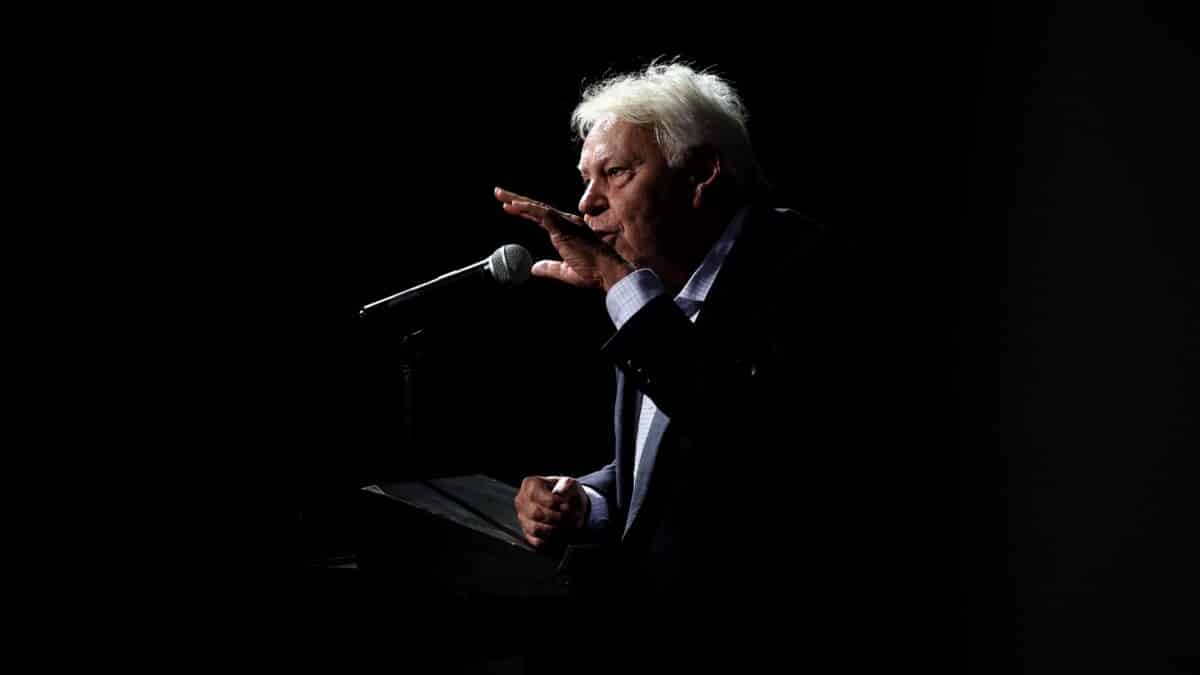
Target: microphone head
(510, 264)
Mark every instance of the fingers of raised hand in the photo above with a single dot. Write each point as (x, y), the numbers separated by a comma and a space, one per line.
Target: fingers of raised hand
(519, 205)
(528, 211)
(550, 219)
(578, 221)
(507, 197)
(532, 209)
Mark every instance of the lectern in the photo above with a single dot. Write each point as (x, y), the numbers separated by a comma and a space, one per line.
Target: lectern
(457, 537)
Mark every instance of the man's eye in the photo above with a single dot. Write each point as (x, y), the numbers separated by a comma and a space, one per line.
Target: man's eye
(614, 171)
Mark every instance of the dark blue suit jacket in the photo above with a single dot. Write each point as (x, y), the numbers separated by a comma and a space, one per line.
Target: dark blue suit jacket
(758, 393)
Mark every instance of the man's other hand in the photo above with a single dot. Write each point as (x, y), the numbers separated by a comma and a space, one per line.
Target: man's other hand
(550, 508)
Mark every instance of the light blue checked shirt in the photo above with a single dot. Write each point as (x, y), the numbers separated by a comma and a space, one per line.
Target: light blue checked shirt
(629, 295)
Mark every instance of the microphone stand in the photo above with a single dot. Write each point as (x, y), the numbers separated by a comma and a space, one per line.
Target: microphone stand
(410, 351)
(398, 357)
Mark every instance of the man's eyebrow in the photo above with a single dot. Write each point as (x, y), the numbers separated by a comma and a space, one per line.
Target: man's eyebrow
(597, 160)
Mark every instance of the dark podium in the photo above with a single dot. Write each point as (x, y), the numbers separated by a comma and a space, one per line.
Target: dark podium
(458, 537)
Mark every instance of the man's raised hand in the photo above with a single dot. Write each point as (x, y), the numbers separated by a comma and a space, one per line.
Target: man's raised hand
(587, 261)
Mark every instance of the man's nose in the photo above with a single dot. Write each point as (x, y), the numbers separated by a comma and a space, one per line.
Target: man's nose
(592, 202)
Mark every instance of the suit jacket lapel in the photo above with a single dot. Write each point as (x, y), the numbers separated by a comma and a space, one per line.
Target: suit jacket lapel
(627, 409)
(658, 426)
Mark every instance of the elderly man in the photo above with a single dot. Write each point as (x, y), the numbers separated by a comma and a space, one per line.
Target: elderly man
(734, 342)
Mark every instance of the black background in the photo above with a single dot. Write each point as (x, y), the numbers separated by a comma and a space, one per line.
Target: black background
(1030, 175)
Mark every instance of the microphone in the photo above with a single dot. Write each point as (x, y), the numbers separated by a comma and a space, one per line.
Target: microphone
(508, 266)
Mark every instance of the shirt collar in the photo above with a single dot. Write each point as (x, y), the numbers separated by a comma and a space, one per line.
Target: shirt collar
(697, 287)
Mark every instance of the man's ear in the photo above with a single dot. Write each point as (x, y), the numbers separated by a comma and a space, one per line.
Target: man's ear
(704, 168)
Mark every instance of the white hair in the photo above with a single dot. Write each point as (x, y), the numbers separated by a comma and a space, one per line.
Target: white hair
(686, 110)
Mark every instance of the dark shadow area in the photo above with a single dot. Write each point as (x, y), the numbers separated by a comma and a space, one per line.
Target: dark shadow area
(1077, 343)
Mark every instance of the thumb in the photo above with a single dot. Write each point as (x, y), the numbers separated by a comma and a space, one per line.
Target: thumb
(576, 499)
(567, 489)
(562, 484)
(559, 271)
(565, 485)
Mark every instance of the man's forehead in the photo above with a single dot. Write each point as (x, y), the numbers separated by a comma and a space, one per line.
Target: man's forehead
(611, 135)
(600, 139)
(606, 124)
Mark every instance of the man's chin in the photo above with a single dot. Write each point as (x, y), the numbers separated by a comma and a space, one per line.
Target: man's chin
(622, 250)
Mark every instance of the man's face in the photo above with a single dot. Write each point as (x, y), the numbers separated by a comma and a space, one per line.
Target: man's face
(631, 198)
